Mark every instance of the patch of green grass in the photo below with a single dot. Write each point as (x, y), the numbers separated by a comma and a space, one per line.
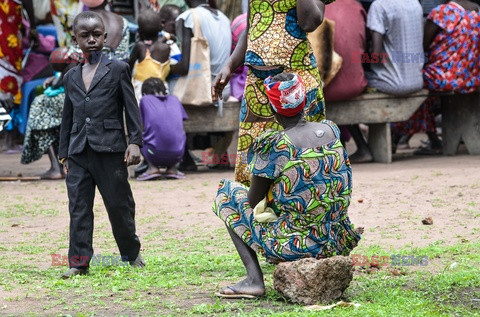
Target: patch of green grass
(182, 275)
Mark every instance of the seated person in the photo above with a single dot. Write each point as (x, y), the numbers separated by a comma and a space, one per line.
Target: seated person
(150, 56)
(452, 27)
(45, 117)
(395, 28)
(395, 33)
(296, 206)
(350, 44)
(163, 135)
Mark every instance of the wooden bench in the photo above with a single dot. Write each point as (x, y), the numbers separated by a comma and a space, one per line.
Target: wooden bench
(377, 111)
(211, 119)
(461, 119)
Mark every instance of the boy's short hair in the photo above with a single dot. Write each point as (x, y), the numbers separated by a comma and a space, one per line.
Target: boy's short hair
(87, 15)
(153, 86)
(167, 12)
(149, 24)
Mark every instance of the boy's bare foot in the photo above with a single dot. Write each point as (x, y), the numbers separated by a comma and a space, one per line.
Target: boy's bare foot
(243, 289)
(360, 230)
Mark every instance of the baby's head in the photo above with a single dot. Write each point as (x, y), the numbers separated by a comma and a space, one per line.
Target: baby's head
(153, 86)
(89, 32)
(59, 59)
(149, 25)
(168, 15)
(286, 94)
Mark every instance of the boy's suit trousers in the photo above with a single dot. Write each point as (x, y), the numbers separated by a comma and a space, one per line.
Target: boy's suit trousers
(109, 173)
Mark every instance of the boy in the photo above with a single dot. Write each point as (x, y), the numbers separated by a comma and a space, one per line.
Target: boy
(92, 142)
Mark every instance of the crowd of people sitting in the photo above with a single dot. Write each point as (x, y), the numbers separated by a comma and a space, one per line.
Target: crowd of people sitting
(380, 43)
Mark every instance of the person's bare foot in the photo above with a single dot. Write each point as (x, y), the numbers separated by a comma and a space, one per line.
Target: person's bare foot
(52, 174)
(361, 157)
(243, 289)
(360, 230)
(153, 170)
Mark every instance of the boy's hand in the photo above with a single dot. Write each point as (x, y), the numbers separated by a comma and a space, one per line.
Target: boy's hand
(65, 166)
(132, 155)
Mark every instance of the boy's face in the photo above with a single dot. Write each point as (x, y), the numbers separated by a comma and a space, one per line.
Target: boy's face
(89, 35)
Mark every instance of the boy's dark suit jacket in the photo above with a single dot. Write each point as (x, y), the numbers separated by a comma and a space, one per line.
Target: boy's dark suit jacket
(96, 115)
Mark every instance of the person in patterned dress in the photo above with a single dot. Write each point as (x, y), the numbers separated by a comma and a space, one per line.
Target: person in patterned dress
(296, 206)
(275, 40)
(453, 65)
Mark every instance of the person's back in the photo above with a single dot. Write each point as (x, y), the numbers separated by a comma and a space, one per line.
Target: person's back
(453, 28)
(401, 24)
(162, 118)
(350, 43)
(215, 27)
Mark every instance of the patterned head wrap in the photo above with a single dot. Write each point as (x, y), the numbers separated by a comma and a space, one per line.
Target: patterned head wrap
(286, 97)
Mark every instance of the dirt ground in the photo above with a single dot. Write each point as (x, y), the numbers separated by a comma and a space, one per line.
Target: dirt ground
(389, 200)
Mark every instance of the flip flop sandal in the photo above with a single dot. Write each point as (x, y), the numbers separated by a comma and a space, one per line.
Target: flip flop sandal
(148, 177)
(178, 175)
(236, 294)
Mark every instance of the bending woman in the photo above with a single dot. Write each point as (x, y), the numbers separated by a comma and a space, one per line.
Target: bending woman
(300, 188)
(275, 41)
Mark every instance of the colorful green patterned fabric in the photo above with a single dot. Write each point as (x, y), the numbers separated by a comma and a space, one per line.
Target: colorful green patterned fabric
(310, 195)
(275, 44)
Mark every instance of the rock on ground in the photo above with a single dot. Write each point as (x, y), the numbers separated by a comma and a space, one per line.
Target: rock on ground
(310, 281)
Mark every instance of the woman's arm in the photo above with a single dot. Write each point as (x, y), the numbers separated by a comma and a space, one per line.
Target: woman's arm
(235, 60)
(181, 68)
(258, 190)
(431, 30)
(310, 14)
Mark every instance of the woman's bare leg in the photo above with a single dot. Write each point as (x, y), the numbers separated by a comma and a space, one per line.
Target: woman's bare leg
(55, 171)
(253, 284)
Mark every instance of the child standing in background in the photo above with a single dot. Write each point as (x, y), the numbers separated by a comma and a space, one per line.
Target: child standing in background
(150, 56)
(163, 135)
